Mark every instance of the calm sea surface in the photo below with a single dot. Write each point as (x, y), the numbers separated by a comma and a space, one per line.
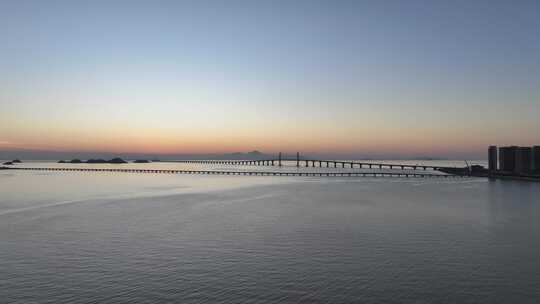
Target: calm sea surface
(72, 237)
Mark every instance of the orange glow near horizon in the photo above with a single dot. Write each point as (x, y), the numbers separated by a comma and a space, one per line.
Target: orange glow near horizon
(168, 142)
(208, 127)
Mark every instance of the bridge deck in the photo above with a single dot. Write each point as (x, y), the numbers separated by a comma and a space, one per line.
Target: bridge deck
(316, 163)
(259, 173)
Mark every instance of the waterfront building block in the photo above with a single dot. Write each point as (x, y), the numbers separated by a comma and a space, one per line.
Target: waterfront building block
(523, 158)
(507, 158)
(536, 158)
(492, 156)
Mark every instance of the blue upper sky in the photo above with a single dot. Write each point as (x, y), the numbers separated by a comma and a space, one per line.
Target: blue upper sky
(332, 76)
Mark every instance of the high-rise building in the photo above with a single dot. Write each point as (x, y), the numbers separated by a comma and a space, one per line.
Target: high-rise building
(536, 158)
(507, 158)
(492, 155)
(523, 158)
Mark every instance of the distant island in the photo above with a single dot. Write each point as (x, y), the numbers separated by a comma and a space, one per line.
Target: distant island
(116, 160)
(243, 155)
(141, 161)
(15, 161)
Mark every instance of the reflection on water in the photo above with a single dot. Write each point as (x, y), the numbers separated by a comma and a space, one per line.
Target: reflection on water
(31, 188)
(102, 237)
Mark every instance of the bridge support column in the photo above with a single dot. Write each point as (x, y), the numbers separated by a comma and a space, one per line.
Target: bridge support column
(297, 159)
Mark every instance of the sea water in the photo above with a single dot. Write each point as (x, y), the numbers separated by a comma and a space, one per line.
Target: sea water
(90, 237)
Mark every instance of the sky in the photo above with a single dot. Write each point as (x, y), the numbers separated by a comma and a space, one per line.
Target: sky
(404, 78)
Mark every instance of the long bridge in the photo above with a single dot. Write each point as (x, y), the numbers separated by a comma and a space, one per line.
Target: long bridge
(315, 163)
(225, 172)
(403, 170)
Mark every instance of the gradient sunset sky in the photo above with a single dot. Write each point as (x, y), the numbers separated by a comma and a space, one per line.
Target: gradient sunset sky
(435, 78)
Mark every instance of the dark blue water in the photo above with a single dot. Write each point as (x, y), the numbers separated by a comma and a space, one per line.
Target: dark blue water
(90, 238)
